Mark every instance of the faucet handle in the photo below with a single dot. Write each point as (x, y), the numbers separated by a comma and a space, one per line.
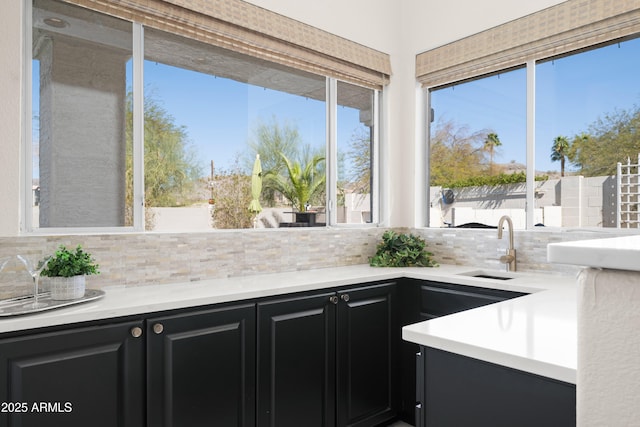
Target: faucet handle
(506, 259)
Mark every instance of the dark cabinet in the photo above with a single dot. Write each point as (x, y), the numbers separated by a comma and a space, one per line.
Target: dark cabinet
(201, 368)
(296, 361)
(90, 376)
(424, 300)
(459, 391)
(327, 359)
(368, 337)
(441, 299)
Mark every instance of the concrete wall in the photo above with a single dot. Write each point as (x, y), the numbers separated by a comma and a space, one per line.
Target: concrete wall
(572, 201)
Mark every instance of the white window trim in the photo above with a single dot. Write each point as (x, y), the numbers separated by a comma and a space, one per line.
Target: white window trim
(26, 208)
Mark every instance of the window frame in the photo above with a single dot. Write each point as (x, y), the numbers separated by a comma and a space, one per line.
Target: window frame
(529, 64)
(26, 223)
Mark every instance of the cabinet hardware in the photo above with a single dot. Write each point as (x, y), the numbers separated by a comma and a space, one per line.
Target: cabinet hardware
(136, 332)
(344, 297)
(158, 328)
(333, 299)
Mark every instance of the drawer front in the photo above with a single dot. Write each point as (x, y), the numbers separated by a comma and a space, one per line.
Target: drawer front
(439, 300)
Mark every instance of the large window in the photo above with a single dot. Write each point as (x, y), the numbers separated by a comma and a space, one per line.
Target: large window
(585, 147)
(173, 147)
(478, 147)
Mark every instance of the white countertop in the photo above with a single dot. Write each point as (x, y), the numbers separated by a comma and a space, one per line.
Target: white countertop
(620, 253)
(534, 333)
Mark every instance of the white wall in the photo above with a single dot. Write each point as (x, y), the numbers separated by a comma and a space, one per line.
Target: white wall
(10, 118)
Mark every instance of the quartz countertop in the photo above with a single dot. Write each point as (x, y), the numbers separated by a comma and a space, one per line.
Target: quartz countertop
(620, 253)
(534, 333)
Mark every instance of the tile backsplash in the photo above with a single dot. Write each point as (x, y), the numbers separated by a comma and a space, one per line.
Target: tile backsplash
(134, 259)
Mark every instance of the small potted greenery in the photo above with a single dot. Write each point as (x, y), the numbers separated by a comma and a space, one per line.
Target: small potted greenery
(401, 250)
(67, 270)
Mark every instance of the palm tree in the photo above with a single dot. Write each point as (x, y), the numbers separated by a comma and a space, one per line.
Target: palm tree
(559, 151)
(302, 183)
(490, 144)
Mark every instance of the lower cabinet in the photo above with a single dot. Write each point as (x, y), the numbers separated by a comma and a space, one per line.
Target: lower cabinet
(328, 359)
(424, 300)
(458, 391)
(89, 376)
(201, 368)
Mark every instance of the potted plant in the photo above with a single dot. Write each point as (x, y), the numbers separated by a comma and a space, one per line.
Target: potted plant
(402, 250)
(67, 270)
(303, 182)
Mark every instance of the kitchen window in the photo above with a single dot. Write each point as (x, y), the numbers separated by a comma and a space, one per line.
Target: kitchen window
(586, 144)
(577, 111)
(478, 151)
(135, 128)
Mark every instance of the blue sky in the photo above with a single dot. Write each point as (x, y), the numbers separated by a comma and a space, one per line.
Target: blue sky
(572, 93)
(220, 115)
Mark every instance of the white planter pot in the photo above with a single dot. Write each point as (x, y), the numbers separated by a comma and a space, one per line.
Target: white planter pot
(66, 288)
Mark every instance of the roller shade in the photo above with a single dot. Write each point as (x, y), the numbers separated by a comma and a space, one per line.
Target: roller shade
(252, 30)
(566, 27)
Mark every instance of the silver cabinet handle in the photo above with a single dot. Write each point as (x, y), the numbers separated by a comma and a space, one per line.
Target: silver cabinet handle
(158, 328)
(344, 297)
(136, 332)
(333, 299)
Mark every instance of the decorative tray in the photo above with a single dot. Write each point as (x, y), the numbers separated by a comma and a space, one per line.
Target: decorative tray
(24, 304)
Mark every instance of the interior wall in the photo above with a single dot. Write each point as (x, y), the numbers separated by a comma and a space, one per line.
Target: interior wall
(10, 116)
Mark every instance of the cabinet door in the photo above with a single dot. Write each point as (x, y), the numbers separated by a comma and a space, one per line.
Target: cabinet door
(296, 362)
(201, 368)
(368, 339)
(460, 391)
(92, 376)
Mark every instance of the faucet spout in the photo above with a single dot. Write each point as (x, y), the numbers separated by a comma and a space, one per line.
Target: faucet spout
(510, 257)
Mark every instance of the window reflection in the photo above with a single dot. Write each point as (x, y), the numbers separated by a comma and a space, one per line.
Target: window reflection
(81, 74)
(208, 113)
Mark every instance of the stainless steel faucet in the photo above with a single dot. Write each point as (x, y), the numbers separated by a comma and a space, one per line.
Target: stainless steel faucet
(510, 257)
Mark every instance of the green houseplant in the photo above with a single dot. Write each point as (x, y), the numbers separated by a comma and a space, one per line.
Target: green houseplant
(303, 182)
(402, 250)
(66, 270)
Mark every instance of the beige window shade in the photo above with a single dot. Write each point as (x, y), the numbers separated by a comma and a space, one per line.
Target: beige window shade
(249, 29)
(566, 27)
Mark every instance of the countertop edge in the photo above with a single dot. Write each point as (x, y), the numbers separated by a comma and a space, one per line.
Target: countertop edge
(120, 302)
(544, 369)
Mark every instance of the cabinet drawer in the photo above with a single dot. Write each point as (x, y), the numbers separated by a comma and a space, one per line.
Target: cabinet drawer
(440, 299)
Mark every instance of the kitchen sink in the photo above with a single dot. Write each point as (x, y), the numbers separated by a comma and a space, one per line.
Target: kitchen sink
(492, 275)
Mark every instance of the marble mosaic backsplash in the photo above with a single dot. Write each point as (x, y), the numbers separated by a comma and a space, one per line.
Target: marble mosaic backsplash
(135, 259)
